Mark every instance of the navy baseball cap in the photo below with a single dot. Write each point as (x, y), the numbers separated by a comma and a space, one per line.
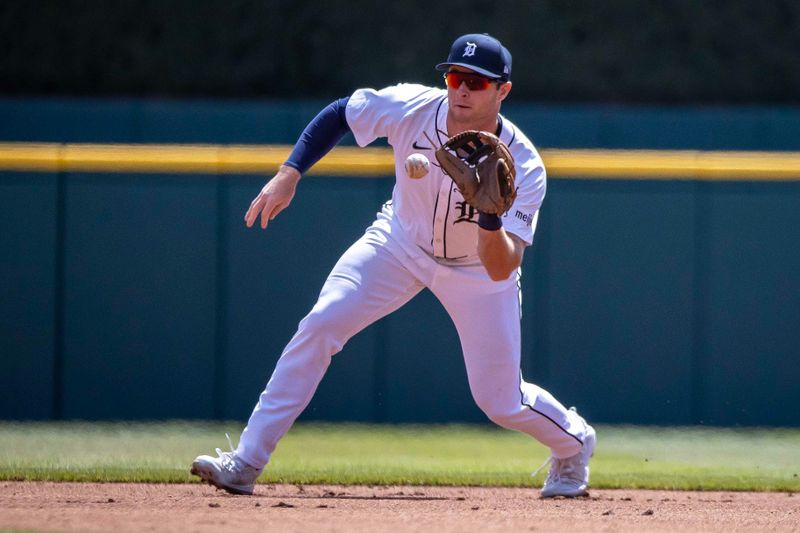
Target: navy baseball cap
(482, 53)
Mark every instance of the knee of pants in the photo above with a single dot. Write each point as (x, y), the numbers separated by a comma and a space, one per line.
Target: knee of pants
(499, 410)
(326, 327)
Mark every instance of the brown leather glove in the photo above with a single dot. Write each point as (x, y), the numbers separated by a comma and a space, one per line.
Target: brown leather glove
(483, 169)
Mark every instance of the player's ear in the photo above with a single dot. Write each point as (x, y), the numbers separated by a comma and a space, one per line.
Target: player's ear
(503, 90)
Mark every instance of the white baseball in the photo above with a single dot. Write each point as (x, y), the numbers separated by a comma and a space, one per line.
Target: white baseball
(417, 166)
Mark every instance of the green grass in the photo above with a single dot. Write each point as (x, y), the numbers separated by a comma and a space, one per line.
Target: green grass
(626, 457)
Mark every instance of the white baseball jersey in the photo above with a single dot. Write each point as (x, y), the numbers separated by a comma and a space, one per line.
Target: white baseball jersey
(431, 212)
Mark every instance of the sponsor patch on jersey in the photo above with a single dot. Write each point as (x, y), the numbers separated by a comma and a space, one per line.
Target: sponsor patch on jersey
(527, 218)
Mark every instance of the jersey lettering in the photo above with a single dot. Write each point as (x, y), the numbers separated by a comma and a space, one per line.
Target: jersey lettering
(465, 213)
(527, 218)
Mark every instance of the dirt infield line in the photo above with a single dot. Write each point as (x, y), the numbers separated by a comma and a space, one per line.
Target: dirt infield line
(41, 506)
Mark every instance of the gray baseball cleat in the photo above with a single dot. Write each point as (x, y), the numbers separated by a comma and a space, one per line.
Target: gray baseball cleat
(227, 472)
(570, 476)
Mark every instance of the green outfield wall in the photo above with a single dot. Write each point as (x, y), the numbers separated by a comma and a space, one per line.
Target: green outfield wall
(141, 295)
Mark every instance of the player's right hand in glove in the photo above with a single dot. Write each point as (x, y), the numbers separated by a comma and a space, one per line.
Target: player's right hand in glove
(483, 169)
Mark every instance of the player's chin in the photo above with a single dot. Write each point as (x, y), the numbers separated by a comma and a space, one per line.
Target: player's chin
(462, 113)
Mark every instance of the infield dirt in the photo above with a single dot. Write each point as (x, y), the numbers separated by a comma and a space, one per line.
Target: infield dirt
(42, 506)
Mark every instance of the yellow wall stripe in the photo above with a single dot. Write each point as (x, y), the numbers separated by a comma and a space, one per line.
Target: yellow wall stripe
(674, 164)
(371, 162)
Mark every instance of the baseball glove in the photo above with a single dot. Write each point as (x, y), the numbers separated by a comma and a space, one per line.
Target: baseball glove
(483, 169)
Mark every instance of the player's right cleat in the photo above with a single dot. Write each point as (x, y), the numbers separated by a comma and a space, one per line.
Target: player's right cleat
(569, 477)
(227, 472)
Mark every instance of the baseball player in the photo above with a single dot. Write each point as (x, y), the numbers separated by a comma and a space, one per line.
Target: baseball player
(428, 235)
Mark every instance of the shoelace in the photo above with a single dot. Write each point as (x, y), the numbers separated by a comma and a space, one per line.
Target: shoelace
(558, 468)
(547, 461)
(227, 457)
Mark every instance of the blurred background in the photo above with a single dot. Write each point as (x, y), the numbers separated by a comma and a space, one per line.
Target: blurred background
(142, 295)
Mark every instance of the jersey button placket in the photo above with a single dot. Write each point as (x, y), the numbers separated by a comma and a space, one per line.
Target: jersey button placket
(440, 220)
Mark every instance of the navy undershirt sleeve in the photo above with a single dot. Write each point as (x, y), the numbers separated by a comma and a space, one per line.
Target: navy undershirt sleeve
(320, 136)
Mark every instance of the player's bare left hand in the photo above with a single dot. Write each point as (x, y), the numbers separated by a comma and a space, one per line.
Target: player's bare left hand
(276, 196)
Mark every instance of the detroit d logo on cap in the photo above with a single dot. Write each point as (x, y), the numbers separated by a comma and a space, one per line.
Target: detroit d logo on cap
(469, 50)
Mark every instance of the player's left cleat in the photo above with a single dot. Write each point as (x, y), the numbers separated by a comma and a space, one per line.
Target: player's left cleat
(227, 472)
(569, 477)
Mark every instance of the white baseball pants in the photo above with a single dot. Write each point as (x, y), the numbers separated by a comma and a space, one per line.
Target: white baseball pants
(376, 276)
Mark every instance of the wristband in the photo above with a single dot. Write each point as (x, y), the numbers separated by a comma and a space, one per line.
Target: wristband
(489, 222)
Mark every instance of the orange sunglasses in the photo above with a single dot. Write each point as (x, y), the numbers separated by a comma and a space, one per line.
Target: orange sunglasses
(474, 82)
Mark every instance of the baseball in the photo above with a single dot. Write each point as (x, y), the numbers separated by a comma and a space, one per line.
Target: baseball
(417, 166)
